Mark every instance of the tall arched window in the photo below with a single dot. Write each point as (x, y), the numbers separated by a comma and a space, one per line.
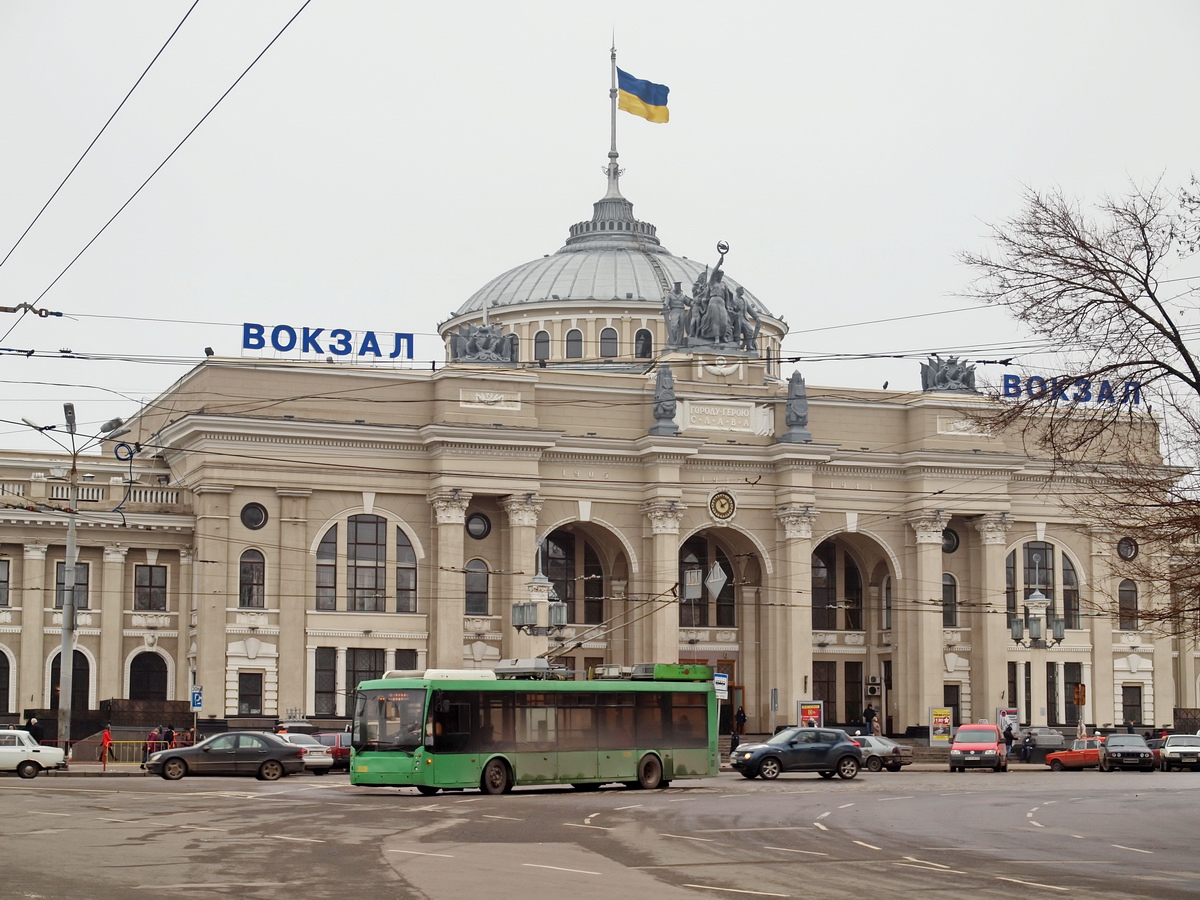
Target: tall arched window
(574, 344)
(148, 677)
(1070, 594)
(643, 344)
(5, 681)
(564, 556)
(81, 674)
(887, 602)
(949, 601)
(608, 343)
(831, 565)
(699, 559)
(252, 580)
(366, 561)
(406, 574)
(1127, 606)
(327, 570)
(1037, 568)
(477, 588)
(541, 345)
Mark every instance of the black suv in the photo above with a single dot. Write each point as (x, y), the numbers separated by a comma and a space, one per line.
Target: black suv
(824, 750)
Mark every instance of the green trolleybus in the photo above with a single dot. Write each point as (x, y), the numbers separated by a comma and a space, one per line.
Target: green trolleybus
(455, 729)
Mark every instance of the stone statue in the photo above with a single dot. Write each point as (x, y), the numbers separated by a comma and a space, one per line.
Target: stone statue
(795, 414)
(483, 343)
(676, 307)
(950, 375)
(714, 323)
(716, 318)
(740, 316)
(664, 402)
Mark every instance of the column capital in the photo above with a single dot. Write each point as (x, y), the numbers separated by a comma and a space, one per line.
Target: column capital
(35, 550)
(797, 520)
(185, 555)
(993, 527)
(664, 515)
(522, 509)
(929, 527)
(115, 553)
(450, 506)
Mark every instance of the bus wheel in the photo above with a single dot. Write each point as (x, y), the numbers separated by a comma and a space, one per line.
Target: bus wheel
(426, 789)
(649, 772)
(495, 779)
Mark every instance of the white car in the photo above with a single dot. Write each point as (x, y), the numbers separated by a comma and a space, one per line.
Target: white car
(317, 758)
(20, 753)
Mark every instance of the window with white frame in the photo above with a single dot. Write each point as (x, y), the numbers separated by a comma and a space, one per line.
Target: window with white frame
(150, 588)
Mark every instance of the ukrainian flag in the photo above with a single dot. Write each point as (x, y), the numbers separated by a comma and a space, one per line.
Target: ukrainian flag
(642, 98)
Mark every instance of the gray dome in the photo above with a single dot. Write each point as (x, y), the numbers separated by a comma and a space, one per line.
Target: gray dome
(612, 256)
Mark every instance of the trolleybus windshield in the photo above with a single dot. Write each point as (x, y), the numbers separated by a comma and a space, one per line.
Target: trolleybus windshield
(389, 719)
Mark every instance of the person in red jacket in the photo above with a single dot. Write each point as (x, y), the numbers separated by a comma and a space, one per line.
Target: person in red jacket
(106, 750)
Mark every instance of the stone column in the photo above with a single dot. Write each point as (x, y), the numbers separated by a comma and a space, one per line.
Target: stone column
(658, 632)
(990, 636)
(522, 510)
(1023, 709)
(785, 636)
(111, 664)
(448, 601)
(33, 599)
(212, 595)
(1164, 689)
(292, 595)
(339, 680)
(1102, 701)
(922, 596)
(1060, 704)
(1088, 709)
(184, 605)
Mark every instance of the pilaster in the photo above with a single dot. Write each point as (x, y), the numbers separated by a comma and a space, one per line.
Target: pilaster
(989, 633)
(448, 604)
(785, 640)
(33, 600)
(292, 595)
(521, 565)
(922, 600)
(212, 593)
(659, 630)
(111, 664)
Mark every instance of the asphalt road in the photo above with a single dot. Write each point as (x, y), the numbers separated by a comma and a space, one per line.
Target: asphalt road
(915, 833)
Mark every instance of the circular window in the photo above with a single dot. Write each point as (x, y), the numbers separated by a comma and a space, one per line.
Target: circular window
(479, 526)
(1127, 548)
(254, 516)
(949, 540)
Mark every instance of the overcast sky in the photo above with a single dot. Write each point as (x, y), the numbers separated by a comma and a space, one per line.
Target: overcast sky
(383, 160)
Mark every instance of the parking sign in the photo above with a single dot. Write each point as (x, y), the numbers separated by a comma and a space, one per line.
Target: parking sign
(197, 698)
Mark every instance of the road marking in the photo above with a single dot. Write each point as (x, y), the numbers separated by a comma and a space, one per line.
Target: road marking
(121, 821)
(845, 806)
(1134, 849)
(1029, 815)
(868, 846)
(282, 837)
(806, 852)
(560, 869)
(931, 868)
(709, 887)
(38, 812)
(639, 806)
(687, 837)
(822, 815)
(509, 818)
(819, 825)
(419, 853)
(1036, 824)
(925, 862)
(589, 818)
(192, 885)
(1079, 837)
(199, 828)
(1052, 887)
(470, 800)
(581, 825)
(888, 799)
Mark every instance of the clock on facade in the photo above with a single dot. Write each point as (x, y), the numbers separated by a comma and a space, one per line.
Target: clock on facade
(254, 516)
(1127, 548)
(722, 505)
(478, 526)
(949, 540)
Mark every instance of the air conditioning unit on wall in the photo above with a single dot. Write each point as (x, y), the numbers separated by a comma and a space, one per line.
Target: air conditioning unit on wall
(872, 679)
(872, 690)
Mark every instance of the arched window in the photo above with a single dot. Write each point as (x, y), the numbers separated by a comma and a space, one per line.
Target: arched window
(81, 674)
(949, 601)
(831, 564)
(1036, 567)
(643, 344)
(699, 559)
(252, 580)
(406, 574)
(1127, 606)
(477, 588)
(608, 343)
(327, 570)
(5, 681)
(366, 562)
(887, 602)
(564, 556)
(148, 677)
(1070, 594)
(574, 344)
(541, 345)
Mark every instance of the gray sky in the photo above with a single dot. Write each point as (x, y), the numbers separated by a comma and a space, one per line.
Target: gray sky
(384, 160)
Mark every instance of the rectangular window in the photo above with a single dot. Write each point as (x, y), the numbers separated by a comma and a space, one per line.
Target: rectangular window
(364, 664)
(1073, 676)
(150, 587)
(406, 660)
(1012, 685)
(325, 682)
(3, 582)
(366, 556)
(327, 570)
(1052, 694)
(250, 693)
(825, 687)
(81, 585)
(854, 691)
(1131, 703)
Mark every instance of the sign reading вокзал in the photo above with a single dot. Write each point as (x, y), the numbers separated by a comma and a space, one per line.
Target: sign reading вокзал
(335, 342)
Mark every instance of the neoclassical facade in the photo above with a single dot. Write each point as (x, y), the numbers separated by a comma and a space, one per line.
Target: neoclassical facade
(612, 433)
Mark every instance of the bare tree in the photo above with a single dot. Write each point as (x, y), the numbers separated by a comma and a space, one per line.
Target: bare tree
(1097, 286)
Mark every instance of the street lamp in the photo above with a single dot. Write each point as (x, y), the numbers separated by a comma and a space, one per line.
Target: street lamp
(1037, 608)
(66, 656)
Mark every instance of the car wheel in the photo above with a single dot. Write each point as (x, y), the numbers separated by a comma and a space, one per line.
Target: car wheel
(496, 778)
(893, 768)
(1056, 765)
(174, 769)
(769, 768)
(748, 773)
(847, 768)
(427, 790)
(28, 768)
(649, 772)
(875, 764)
(320, 771)
(1166, 767)
(270, 770)
(826, 774)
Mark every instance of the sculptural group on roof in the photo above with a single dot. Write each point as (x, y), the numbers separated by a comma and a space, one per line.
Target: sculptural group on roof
(715, 317)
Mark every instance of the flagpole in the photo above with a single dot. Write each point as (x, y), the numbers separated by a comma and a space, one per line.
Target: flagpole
(613, 171)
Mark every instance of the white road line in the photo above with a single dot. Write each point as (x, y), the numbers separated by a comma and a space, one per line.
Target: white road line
(822, 815)
(1032, 811)
(889, 799)
(819, 825)
(1134, 849)
(845, 806)
(419, 853)
(121, 821)
(581, 825)
(1029, 815)
(281, 837)
(1052, 887)
(805, 852)
(1048, 802)
(509, 818)
(925, 862)
(589, 818)
(470, 800)
(1079, 837)
(38, 812)
(709, 887)
(930, 869)
(639, 806)
(688, 837)
(201, 828)
(1036, 824)
(868, 846)
(560, 869)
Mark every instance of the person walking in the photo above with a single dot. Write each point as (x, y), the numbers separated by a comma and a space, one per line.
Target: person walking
(106, 750)
(34, 729)
(151, 745)
(869, 717)
(1009, 737)
(739, 719)
(168, 738)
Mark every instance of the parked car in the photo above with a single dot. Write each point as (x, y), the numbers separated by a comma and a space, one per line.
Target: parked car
(265, 756)
(1126, 751)
(1043, 737)
(978, 746)
(317, 758)
(20, 753)
(338, 743)
(1084, 753)
(883, 753)
(1155, 745)
(824, 750)
(1180, 751)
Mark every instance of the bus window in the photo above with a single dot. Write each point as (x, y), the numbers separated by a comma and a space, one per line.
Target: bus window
(389, 719)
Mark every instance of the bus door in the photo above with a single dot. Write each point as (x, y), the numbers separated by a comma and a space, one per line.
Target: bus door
(536, 757)
(615, 736)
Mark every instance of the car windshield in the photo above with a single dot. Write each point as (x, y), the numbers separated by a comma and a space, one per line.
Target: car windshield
(304, 739)
(976, 736)
(1183, 740)
(786, 736)
(1126, 740)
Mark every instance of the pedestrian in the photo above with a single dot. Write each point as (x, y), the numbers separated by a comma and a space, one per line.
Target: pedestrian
(168, 738)
(150, 746)
(733, 742)
(34, 729)
(106, 750)
(1009, 737)
(869, 717)
(1027, 748)
(739, 719)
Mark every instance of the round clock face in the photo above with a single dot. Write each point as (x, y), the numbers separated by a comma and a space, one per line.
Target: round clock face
(721, 505)
(1127, 548)
(254, 516)
(479, 526)
(949, 540)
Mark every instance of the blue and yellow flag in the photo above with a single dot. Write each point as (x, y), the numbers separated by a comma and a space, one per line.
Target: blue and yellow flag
(642, 98)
